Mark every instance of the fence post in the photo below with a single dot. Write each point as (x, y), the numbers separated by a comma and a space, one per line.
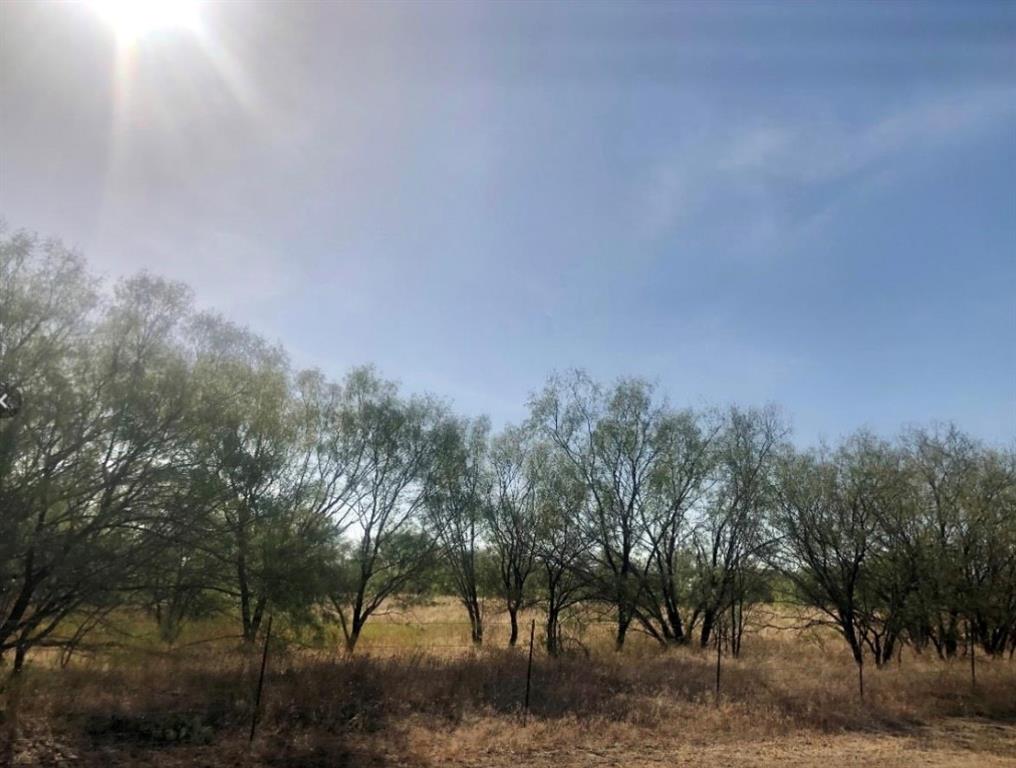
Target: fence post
(261, 682)
(973, 656)
(719, 655)
(529, 672)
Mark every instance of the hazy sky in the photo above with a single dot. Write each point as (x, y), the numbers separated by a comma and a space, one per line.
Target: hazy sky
(811, 204)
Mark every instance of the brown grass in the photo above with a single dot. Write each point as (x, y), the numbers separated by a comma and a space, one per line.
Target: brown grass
(785, 699)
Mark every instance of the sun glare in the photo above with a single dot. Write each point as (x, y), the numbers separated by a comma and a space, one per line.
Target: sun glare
(132, 19)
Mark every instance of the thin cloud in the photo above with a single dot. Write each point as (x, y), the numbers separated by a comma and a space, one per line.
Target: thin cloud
(754, 177)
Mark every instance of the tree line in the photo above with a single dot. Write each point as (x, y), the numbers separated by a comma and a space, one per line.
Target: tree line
(169, 461)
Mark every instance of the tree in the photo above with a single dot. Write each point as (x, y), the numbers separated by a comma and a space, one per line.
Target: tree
(964, 539)
(241, 462)
(516, 465)
(943, 465)
(395, 439)
(176, 585)
(86, 465)
(457, 498)
(991, 552)
(612, 439)
(561, 546)
(680, 481)
(729, 537)
(828, 522)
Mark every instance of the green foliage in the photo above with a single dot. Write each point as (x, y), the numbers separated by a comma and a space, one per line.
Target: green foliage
(169, 460)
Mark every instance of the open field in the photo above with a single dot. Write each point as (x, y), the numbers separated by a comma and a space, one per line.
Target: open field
(482, 383)
(415, 694)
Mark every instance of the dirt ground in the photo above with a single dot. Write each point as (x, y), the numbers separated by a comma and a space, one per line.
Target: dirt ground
(954, 743)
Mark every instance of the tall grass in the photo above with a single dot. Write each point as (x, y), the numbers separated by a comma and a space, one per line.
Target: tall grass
(137, 703)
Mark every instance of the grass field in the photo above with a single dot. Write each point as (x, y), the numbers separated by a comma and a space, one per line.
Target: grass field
(416, 694)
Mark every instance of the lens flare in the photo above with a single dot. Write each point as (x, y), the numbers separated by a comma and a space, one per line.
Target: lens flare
(132, 19)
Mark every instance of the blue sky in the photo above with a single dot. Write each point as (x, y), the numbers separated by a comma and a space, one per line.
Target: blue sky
(808, 204)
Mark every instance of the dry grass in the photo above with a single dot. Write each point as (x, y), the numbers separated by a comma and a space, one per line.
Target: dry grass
(783, 701)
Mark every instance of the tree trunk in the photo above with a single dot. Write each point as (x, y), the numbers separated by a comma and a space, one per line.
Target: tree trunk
(676, 627)
(475, 620)
(736, 627)
(356, 621)
(973, 656)
(513, 617)
(352, 637)
(477, 631)
(719, 660)
(246, 613)
(623, 620)
(553, 646)
(708, 619)
(20, 653)
(950, 640)
(856, 646)
(11, 730)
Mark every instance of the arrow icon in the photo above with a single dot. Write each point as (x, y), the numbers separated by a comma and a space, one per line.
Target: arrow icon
(10, 401)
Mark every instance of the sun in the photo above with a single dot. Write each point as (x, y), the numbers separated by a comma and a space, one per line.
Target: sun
(132, 19)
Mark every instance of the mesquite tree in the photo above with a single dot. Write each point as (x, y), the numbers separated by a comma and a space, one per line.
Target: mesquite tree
(611, 438)
(385, 550)
(562, 549)
(88, 462)
(681, 480)
(268, 481)
(964, 540)
(457, 496)
(729, 537)
(516, 464)
(828, 520)
(174, 462)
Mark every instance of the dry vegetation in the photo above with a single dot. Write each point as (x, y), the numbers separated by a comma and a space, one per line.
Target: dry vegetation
(173, 466)
(415, 694)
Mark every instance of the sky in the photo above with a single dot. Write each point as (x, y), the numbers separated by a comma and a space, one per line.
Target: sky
(812, 205)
